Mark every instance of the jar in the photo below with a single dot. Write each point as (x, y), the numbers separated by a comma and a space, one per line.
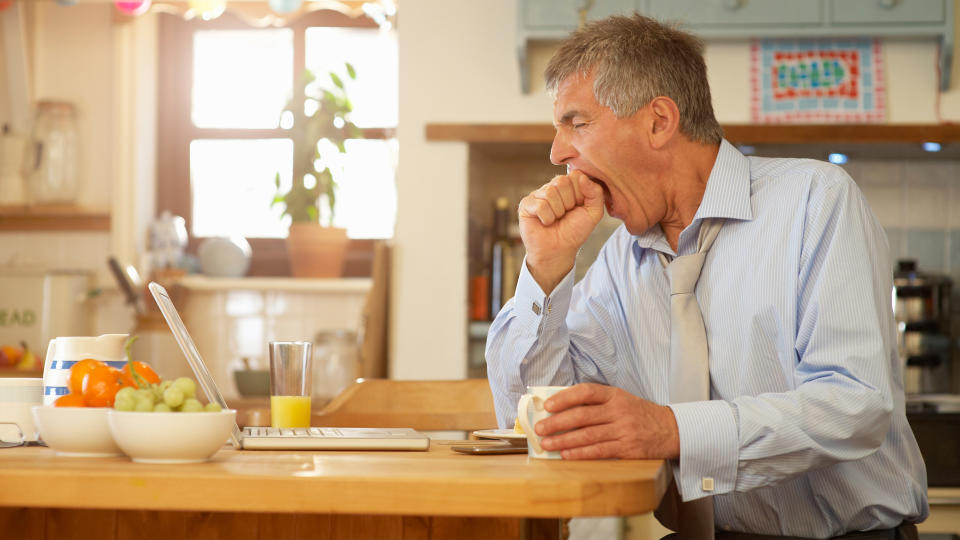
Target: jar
(335, 362)
(50, 164)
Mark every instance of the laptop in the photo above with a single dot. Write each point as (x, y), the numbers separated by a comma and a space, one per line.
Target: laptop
(266, 438)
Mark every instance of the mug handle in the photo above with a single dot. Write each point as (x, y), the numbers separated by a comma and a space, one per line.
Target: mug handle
(522, 407)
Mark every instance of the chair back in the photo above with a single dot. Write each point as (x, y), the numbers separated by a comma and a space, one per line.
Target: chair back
(460, 405)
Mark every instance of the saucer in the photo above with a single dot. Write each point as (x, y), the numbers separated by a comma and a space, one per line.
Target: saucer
(514, 438)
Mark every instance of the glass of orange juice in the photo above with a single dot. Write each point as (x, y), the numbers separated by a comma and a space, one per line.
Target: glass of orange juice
(290, 383)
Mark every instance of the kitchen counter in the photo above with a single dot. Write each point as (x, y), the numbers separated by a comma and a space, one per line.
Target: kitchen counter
(304, 494)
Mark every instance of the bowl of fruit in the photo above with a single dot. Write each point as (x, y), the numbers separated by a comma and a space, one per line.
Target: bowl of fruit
(76, 424)
(166, 423)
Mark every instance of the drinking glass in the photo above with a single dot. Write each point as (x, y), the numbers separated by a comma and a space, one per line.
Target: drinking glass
(290, 383)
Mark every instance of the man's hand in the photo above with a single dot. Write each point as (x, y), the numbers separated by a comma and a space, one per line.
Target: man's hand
(555, 220)
(606, 422)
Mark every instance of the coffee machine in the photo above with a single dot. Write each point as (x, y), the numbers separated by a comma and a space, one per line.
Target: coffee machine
(921, 307)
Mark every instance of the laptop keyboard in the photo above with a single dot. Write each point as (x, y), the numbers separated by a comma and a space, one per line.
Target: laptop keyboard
(292, 432)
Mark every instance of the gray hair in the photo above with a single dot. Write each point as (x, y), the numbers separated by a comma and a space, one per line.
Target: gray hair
(635, 59)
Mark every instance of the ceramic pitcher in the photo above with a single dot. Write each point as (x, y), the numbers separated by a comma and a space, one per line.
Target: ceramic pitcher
(64, 352)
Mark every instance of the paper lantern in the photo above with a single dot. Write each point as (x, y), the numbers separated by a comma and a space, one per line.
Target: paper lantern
(208, 9)
(132, 7)
(285, 6)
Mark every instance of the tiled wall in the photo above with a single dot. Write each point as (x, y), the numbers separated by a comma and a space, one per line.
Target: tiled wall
(918, 204)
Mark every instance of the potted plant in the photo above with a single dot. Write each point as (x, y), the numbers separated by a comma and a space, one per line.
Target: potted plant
(321, 127)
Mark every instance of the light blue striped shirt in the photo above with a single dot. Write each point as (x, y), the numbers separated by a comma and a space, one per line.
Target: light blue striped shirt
(806, 433)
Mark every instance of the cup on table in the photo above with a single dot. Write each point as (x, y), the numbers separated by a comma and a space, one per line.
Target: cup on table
(17, 396)
(290, 383)
(530, 410)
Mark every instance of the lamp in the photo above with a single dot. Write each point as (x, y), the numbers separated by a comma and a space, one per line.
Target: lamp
(207, 9)
(131, 7)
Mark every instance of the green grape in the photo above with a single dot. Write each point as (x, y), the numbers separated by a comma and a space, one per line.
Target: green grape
(127, 392)
(173, 397)
(143, 406)
(213, 407)
(157, 393)
(191, 405)
(165, 384)
(161, 407)
(143, 399)
(187, 386)
(124, 402)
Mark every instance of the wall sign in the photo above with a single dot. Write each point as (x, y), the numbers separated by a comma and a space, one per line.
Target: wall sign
(817, 81)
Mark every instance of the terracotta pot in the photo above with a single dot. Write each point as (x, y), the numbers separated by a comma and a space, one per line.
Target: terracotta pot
(315, 250)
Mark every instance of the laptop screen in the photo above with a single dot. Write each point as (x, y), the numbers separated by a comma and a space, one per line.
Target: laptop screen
(190, 352)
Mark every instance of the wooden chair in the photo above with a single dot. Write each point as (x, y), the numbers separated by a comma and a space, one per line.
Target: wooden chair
(461, 405)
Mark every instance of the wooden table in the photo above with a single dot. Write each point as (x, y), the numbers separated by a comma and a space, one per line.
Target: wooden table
(284, 494)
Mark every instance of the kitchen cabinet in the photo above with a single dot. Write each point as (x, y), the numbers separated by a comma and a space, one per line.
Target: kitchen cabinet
(550, 20)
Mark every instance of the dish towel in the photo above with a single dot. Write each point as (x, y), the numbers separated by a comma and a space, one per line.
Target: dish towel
(689, 372)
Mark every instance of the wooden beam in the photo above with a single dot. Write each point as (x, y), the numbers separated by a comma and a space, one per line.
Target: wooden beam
(736, 133)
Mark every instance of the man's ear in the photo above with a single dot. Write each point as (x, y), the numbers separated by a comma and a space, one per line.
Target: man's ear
(666, 121)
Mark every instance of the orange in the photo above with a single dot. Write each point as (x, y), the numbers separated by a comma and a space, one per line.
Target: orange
(101, 386)
(79, 371)
(70, 400)
(143, 369)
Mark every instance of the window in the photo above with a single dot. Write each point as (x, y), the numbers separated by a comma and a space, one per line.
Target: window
(222, 87)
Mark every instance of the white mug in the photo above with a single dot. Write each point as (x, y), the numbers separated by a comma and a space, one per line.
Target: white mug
(17, 396)
(64, 352)
(530, 411)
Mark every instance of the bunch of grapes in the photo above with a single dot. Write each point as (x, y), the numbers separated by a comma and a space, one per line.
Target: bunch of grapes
(179, 395)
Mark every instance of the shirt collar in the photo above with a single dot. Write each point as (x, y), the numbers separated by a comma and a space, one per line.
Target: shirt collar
(727, 195)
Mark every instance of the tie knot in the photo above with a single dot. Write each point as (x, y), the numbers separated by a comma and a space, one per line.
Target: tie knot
(684, 272)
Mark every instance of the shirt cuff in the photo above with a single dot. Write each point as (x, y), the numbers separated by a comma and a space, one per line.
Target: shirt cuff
(709, 448)
(533, 307)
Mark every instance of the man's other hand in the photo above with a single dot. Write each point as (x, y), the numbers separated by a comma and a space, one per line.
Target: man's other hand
(593, 421)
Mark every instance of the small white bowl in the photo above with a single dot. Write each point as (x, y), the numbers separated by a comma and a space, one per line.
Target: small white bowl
(75, 431)
(171, 437)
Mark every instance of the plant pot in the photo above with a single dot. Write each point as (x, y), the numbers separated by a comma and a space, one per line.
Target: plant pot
(315, 250)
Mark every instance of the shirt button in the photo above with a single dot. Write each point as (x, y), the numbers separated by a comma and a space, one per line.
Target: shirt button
(536, 308)
(707, 483)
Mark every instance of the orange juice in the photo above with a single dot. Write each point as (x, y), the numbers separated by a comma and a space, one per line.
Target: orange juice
(289, 411)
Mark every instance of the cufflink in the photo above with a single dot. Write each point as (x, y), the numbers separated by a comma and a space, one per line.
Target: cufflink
(536, 308)
(707, 483)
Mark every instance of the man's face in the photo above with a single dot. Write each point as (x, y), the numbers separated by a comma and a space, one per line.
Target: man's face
(614, 152)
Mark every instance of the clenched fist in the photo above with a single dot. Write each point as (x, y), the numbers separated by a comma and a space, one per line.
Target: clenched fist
(555, 220)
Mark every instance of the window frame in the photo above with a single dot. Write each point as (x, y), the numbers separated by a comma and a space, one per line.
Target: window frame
(175, 129)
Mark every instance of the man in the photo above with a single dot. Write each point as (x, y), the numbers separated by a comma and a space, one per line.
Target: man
(803, 432)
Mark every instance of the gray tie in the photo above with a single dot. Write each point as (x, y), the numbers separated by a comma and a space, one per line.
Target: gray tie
(689, 371)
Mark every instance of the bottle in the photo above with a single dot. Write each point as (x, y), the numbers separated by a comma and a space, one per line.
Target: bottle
(503, 264)
(50, 168)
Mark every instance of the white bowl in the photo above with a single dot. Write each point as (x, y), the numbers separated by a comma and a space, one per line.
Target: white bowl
(171, 437)
(75, 431)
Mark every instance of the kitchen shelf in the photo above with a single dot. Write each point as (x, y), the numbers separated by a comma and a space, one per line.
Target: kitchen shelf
(735, 133)
(21, 373)
(321, 285)
(53, 218)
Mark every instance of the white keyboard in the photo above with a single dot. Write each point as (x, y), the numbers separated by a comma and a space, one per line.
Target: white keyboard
(317, 438)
